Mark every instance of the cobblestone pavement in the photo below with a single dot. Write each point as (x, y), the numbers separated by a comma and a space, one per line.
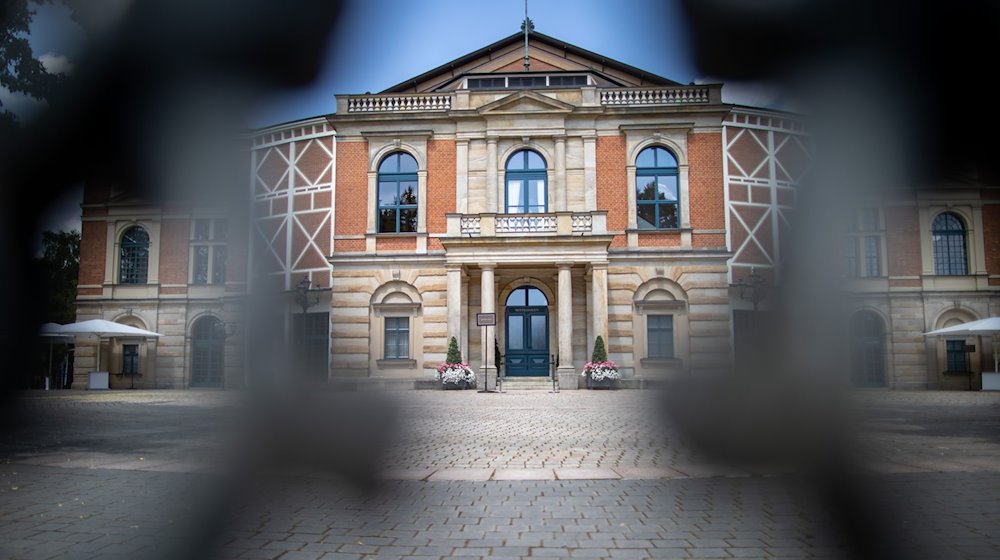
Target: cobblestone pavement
(579, 474)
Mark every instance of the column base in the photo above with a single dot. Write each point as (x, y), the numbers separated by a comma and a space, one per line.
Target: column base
(486, 379)
(569, 378)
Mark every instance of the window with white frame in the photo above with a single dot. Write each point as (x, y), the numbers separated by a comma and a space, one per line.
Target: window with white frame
(208, 250)
(397, 338)
(863, 244)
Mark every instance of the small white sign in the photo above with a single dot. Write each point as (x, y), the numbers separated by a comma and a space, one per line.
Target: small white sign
(486, 319)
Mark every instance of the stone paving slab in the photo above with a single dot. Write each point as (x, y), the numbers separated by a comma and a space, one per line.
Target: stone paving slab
(587, 474)
(461, 474)
(524, 474)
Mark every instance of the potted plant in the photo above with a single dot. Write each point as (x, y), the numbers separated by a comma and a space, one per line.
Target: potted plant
(453, 373)
(601, 373)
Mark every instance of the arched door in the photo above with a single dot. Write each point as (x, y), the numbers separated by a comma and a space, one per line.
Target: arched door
(527, 333)
(208, 343)
(867, 350)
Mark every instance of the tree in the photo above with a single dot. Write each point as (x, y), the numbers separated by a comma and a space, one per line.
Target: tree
(454, 354)
(58, 268)
(20, 71)
(600, 354)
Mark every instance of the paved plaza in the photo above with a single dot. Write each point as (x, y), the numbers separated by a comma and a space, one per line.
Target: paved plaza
(185, 474)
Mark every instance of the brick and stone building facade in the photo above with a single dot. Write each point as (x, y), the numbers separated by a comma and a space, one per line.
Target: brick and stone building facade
(577, 198)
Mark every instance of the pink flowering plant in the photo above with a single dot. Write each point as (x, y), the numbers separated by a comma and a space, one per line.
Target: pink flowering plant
(454, 370)
(600, 367)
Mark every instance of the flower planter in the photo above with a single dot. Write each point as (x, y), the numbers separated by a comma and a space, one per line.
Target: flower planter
(455, 385)
(601, 383)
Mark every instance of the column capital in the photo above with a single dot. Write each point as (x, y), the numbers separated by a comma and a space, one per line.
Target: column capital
(492, 139)
(565, 265)
(487, 266)
(559, 138)
(453, 266)
(599, 265)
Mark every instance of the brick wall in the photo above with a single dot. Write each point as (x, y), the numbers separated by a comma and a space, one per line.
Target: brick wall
(991, 237)
(174, 236)
(707, 204)
(93, 244)
(351, 204)
(902, 225)
(440, 184)
(612, 193)
(396, 244)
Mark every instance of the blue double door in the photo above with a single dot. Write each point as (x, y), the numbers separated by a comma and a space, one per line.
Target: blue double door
(527, 333)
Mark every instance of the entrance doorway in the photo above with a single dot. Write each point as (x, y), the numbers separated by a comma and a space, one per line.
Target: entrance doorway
(527, 333)
(208, 344)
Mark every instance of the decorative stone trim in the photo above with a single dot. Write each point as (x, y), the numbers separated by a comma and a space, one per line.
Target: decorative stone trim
(658, 96)
(398, 103)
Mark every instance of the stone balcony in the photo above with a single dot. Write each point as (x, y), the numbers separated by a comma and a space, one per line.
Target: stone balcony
(586, 96)
(527, 225)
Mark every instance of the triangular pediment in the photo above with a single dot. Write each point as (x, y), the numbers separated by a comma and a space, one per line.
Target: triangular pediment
(525, 101)
(545, 54)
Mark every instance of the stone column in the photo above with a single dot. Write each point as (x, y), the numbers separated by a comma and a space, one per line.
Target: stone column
(486, 377)
(599, 299)
(567, 372)
(491, 174)
(455, 302)
(562, 194)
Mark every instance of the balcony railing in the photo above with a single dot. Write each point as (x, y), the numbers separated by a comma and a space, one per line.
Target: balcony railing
(513, 225)
(655, 96)
(398, 103)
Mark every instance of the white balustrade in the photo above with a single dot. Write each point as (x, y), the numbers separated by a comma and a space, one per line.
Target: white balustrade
(398, 103)
(654, 96)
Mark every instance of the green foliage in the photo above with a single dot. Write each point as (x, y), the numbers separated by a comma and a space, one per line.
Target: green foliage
(600, 353)
(20, 71)
(58, 268)
(454, 355)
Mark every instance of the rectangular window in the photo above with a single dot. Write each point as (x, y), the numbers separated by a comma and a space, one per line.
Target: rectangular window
(660, 336)
(956, 356)
(130, 358)
(208, 251)
(873, 256)
(397, 338)
(487, 83)
(868, 219)
(567, 80)
(312, 345)
(851, 264)
(526, 81)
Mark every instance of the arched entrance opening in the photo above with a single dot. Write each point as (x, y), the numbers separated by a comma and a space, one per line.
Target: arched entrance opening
(867, 350)
(208, 343)
(527, 333)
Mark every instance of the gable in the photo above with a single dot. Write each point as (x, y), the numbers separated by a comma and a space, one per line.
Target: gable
(525, 101)
(546, 54)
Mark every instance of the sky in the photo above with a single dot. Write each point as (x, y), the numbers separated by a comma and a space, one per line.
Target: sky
(379, 43)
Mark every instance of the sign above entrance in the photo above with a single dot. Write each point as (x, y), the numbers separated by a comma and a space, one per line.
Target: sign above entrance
(486, 319)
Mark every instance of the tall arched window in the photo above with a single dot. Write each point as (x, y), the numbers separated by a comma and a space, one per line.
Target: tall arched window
(134, 256)
(656, 191)
(948, 235)
(397, 194)
(208, 345)
(527, 184)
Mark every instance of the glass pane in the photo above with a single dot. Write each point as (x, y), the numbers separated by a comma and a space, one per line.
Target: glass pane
(408, 219)
(535, 161)
(515, 332)
(645, 158)
(516, 161)
(668, 215)
(667, 187)
(536, 297)
(665, 158)
(539, 334)
(221, 230)
(407, 164)
(514, 201)
(387, 221)
(408, 192)
(647, 216)
(516, 297)
(386, 194)
(219, 265)
(201, 229)
(389, 164)
(201, 265)
(536, 193)
(645, 188)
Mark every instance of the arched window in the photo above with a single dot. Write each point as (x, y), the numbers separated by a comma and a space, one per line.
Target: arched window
(208, 343)
(527, 184)
(656, 190)
(867, 350)
(397, 194)
(948, 235)
(134, 256)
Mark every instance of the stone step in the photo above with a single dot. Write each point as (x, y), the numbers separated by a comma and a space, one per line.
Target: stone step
(527, 384)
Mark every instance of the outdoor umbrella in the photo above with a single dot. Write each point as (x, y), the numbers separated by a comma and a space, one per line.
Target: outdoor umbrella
(990, 326)
(98, 328)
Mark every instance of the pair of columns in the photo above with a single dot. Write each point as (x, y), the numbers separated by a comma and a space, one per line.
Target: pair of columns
(598, 310)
